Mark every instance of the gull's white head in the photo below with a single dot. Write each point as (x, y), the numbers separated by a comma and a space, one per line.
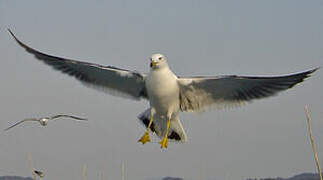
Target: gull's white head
(158, 61)
(43, 121)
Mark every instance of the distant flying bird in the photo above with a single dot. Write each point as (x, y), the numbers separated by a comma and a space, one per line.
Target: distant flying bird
(44, 120)
(167, 93)
(39, 173)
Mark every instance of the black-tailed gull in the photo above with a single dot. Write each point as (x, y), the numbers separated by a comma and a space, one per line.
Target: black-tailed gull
(167, 93)
(44, 120)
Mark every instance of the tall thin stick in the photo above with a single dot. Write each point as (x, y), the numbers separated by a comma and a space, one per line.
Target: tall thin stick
(312, 142)
(84, 172)
(122, 171)
(102, 176)
(31, 166)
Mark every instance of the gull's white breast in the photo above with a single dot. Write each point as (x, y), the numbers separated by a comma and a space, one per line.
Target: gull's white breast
(163, 91)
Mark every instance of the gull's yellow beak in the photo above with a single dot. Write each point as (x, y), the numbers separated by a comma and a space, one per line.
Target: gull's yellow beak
(153, 63)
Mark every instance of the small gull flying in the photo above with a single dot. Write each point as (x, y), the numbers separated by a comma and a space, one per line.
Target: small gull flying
(39, 173)
(167, 93)
(44, 120)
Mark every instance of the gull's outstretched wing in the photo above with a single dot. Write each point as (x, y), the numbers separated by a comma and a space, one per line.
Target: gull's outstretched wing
(122, 82)
(198, 93)
(68, 116)
(31, 119)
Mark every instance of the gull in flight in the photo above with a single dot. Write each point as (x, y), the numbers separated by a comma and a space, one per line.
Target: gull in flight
(44, 120)
(39, 173)
(167, 93)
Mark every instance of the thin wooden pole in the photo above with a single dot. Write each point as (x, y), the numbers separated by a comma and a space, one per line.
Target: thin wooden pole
(102, 176)
(312, 142)
(122, 171)
(31, 166)
(84, 172)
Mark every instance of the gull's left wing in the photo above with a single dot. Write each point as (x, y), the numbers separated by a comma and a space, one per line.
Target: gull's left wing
(122, 82)
(198, 93)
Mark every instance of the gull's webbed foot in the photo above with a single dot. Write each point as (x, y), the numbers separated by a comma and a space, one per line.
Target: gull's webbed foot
(145, 138)
(164, 143)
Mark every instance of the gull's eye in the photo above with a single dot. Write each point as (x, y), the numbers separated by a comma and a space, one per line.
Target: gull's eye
(151, 59)
(160, 58)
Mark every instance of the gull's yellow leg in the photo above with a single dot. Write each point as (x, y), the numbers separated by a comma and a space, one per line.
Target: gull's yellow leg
(145, 138)
(164, 142)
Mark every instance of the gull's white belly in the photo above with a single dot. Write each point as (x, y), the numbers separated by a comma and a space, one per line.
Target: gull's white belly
(163, 92)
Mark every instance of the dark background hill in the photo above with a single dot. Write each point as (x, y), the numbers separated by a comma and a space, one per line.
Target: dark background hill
(14, 178)
(303, 176)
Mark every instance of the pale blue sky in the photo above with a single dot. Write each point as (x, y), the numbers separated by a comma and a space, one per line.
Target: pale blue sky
(267, 138)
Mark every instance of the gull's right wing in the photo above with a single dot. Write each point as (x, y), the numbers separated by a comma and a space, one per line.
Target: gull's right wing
(31, 119)
(122, 82)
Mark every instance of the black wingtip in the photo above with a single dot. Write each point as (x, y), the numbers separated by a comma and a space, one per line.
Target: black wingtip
(310, 72)
(11, 33)
(302, 76)
(80, 118)
(315, 69)
(16, 39)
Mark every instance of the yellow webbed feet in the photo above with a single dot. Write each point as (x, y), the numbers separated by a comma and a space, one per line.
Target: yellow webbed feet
(145, 138)
(164, 143)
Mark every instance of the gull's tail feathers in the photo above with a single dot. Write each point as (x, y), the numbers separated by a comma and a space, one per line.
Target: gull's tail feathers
(176, 131)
